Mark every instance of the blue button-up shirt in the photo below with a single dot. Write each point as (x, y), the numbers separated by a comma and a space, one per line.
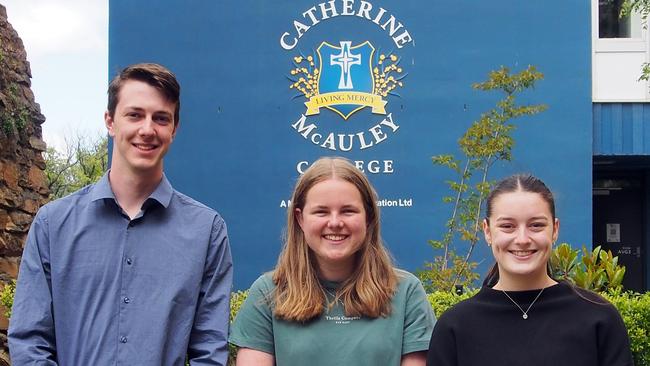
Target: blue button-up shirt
(96, 288)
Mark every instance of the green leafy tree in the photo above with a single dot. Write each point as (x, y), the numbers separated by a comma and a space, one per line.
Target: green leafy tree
(83, 162)
(486, 141)
(641, 7)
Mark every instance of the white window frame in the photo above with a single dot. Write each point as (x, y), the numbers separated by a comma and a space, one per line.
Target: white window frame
(629, 53)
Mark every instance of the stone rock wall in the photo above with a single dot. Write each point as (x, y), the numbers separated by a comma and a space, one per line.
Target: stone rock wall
(23, 188)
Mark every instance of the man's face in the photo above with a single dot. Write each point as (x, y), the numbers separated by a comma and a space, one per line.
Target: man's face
(142, 128)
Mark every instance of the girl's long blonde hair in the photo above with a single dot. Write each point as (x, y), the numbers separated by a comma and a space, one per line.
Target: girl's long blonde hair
(299, 295)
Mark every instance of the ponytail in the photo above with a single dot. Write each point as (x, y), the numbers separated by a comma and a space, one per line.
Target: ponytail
(492, 277)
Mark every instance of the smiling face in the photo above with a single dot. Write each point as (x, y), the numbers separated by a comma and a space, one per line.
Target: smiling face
(333, 221)
(142, 128)
(521, 230)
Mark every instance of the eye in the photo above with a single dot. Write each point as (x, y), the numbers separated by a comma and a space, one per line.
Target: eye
(506, 226)
(538, 226)
(319, 213)
(133, 115)
(162, 119)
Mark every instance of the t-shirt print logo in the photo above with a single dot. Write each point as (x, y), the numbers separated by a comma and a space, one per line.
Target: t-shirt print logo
(341, 319)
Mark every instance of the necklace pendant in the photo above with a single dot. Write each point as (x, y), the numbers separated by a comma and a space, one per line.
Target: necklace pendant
(525, 316)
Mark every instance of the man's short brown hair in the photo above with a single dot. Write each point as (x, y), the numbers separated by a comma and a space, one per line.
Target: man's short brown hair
(155, 75)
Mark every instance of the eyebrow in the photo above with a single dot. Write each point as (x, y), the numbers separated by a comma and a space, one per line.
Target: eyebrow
(140, 109)
(506, 218)
(328, 207)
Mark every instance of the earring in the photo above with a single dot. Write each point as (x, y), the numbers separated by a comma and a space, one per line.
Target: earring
(489, 244)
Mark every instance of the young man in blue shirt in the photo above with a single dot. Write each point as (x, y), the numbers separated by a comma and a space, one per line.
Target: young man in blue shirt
(126, 271)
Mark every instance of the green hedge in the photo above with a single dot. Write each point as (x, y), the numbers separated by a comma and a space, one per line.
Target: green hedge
(635, 310)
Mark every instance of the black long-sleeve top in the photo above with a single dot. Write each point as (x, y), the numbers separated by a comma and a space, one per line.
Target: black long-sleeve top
(565, 326)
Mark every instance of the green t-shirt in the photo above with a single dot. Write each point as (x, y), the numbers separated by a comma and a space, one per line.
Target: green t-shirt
(334, 339)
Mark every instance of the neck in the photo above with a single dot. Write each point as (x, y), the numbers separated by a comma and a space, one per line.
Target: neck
(131, 190)
(335, 272)
(523, 283)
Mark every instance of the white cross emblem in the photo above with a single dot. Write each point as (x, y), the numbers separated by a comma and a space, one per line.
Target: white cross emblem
(345, 60)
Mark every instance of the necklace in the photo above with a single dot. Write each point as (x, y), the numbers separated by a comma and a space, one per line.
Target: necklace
(333, 295)
(524, 313)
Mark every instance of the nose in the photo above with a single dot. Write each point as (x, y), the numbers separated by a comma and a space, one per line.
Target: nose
(522, 236)
(334, 222)
(147, 127)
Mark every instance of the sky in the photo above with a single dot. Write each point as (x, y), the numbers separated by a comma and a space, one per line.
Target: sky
(67, 47)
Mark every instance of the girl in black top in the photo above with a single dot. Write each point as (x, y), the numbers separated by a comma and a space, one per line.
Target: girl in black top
(522, 316)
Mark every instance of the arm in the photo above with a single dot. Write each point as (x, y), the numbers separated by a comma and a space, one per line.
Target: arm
(414, 359)
(31, 330)
(252, 329)
(613, 341)
(251, 357)
(209, 337)
(442, 348)
(418, 324)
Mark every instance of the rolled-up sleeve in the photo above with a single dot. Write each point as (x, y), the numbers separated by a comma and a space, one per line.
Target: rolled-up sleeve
(209, 339)
(418, 320)
(31, 330)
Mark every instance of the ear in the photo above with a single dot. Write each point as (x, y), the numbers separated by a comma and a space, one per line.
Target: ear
(486, 232)
(298, 214)
(108, 121)
(556, 229)
(175, 129)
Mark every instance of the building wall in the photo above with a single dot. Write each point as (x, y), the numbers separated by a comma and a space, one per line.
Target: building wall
(621, 129)
(237, 150)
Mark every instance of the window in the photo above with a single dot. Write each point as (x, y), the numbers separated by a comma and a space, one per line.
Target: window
(619, 48)
(612, 25)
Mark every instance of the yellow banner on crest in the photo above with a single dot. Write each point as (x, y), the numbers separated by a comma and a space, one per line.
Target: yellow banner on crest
(328, 99)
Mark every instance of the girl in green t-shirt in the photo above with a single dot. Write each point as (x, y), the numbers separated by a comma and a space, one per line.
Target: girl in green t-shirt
(334, 297)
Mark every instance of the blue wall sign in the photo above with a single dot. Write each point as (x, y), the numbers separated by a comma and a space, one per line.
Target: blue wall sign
(270, 86)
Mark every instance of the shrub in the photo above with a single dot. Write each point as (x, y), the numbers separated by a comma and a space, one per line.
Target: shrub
(236, 301)
(596, 270)
(7, 297)
(441, 301)
(635, 310)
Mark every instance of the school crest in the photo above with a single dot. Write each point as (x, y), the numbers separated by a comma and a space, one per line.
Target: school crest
(347, 79)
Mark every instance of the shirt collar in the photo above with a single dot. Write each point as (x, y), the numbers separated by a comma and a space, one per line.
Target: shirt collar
(102, 189)
(162, 194)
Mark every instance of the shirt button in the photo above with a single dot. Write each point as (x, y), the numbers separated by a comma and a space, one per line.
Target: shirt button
(129, 261)
(127, 300)
(123, 339)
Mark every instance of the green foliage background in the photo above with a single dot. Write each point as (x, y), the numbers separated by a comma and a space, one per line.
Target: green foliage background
(83, 162)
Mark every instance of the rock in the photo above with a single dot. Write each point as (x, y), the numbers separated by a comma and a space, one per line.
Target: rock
(36, 177)
(10, 174)
(23, 187)
(37, 144)
(13, 228)
(10, 266)
(20, 218)
(31, 206)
